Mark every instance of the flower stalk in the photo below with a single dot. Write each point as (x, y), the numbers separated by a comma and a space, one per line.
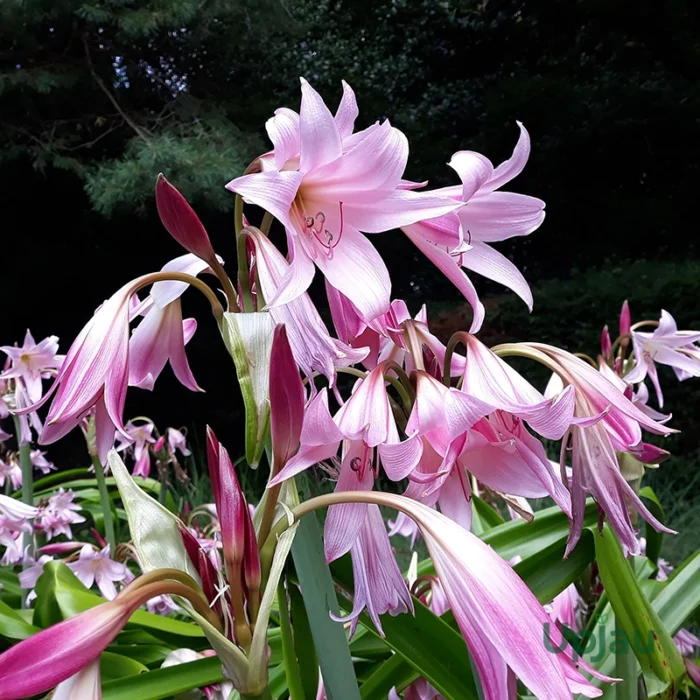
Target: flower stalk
(25, 462)
(106, 504)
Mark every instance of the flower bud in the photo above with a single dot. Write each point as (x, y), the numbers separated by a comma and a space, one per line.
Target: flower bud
(181, 222)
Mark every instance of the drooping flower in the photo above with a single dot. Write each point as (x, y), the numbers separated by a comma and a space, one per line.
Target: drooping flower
(461, 239)
(177, 442)
(666, 346)
(379, 586)
(96, 566)
(326, 184)
(605, 420)
(31, 362)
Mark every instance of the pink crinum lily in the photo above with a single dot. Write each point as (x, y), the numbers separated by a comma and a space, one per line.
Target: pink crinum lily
(666, 346)
(32, 362)
(326, 185)
(461, 239)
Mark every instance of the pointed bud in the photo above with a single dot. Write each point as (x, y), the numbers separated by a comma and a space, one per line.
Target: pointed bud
(605, 343)
(625, 319)
(231, 507)
(286, 400)
(181, 222)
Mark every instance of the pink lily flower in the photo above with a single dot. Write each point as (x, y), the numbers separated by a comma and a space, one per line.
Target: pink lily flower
(313, 347)
(326, 186)
(31, 362)
(497, 613)
(488, 378)
(33, 569)
(161, 338)
(666, 346)
(177, 442)
(40, 462)
(563, 609)
(141, 436)
(379, 585)
(28, 419)
(10, 472)
(686, 642)
(56, 517)
(461, 239)
(504, 456)
(501, 620)
(94, 375)
(96, 566)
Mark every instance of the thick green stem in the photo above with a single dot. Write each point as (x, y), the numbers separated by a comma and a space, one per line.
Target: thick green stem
(106, 504)
(25, 463)
(291, 665)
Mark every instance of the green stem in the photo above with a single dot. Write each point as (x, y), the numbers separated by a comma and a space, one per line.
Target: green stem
(244, 275)
(106, 504)
(291, 665)
(25, 463)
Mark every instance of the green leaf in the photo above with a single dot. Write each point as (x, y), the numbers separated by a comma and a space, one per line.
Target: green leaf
(13, 625)
(547, 573)
(660, 660)
(393, 673)
(113, 666)
(517, 537)
(484, 517)
(291, 664)
(429, 644)
(165, 682)
(58, 478)
(654, 539)
(10, 592)
(320, 599)
(148, 654)
(680, 597)
(304, 643)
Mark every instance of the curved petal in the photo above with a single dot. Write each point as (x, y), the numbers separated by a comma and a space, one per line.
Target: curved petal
(400, 208)
(488, 262)
(512, 167)
(367, 172)
(283, 130)
(400, 459)
(473, 169)
(272, 190)
(449, 267)
(501, 215)
(357, 270)
(347, 112)
(320, 137)
(296, 279)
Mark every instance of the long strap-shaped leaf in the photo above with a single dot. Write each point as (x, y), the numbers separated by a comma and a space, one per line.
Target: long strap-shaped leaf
(643, 629)
(320, 600)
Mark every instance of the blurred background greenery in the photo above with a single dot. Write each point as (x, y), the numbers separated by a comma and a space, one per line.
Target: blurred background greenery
(97, 97)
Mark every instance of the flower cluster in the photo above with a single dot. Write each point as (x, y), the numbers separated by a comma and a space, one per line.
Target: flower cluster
(443, 425)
